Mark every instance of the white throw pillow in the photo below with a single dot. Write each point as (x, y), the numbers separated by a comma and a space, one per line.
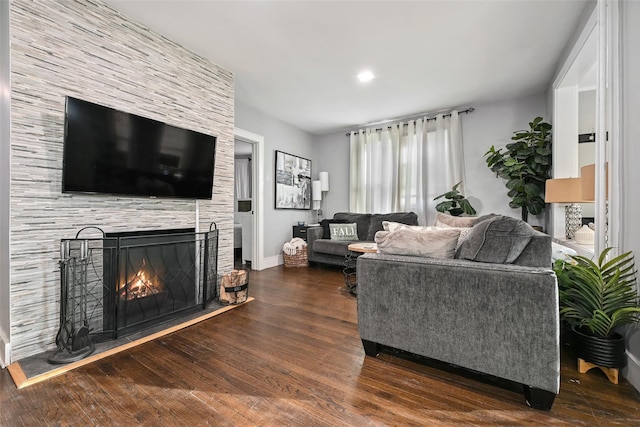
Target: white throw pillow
(430, 242)
(559, 251)
(393, 226)
(444, 220)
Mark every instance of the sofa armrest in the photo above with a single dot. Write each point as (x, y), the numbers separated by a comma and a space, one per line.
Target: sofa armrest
(313, 233)
(498, 319)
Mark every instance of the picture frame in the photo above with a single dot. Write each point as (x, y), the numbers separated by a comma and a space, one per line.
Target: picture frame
(293, 182)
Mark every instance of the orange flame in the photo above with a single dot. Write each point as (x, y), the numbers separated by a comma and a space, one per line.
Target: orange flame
(141, 284)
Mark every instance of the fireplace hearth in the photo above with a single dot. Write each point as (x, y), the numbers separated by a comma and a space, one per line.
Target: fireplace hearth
(120, 283)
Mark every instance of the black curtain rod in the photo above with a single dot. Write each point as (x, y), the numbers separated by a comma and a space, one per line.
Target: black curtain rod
(467, 111)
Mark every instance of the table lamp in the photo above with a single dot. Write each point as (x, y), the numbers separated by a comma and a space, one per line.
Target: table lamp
(588, 175)
(567, 190)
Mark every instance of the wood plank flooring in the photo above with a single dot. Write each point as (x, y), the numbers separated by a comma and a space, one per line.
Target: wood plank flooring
(293, 357)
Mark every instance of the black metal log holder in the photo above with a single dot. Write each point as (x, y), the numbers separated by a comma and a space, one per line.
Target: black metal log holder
(92, 285)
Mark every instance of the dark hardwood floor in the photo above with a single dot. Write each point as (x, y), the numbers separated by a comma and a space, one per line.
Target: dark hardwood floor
(293, 357)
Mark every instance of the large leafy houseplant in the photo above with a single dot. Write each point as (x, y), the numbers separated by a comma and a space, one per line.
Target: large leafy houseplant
(456, 203)
(526, 165)
(598, 297)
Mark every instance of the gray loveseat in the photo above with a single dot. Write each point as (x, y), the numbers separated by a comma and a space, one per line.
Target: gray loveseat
(321, 249)
(493, 318)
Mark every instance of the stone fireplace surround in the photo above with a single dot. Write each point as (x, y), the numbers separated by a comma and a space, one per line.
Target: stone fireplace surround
(86, 49)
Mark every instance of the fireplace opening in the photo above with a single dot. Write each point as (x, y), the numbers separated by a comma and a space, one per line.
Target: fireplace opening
(156, 277)
(120, 283)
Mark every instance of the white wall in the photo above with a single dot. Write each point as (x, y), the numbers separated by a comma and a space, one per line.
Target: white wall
(630, 236)
(490, 124)
(278, 223)
(494, 124)
(5, 325)
(331, 153)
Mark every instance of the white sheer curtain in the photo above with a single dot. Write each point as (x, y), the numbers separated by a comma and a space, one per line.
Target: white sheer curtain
(403, 167)
(243, 178)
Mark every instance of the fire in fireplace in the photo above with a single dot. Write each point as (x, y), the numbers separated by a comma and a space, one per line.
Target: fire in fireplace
(141, 284)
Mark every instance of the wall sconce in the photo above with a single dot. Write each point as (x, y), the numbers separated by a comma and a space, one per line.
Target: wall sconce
(316, 197)
(324, 187)
(324, 180)
(567, 190)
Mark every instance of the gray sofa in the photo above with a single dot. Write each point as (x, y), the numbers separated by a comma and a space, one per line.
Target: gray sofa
(321, 249)
(493, 318)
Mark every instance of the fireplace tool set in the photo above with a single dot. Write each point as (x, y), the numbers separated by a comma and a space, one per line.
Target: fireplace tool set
(72, 340)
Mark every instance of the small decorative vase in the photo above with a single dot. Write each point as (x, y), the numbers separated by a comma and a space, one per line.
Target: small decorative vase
(584, 236)
(608, 352)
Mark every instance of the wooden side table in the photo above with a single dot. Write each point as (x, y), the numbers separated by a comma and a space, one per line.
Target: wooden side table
(350, 263)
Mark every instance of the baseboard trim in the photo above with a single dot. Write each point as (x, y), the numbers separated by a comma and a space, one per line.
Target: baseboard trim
(632, 371)
(272, 261)
(5, 352)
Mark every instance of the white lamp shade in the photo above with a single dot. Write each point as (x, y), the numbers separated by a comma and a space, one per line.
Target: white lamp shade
(316, 191)
(324, 180)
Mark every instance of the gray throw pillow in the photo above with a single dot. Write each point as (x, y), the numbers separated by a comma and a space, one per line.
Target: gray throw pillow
(343, 231)
(499, 240)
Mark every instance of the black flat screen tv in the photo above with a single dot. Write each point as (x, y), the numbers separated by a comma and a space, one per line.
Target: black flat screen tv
(113, 152)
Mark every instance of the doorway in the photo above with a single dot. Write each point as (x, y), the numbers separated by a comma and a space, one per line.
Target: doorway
(248, 199)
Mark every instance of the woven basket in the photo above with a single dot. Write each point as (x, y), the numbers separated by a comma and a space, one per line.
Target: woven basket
(297, 260)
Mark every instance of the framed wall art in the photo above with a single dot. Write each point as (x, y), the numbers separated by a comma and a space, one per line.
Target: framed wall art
(293, 182)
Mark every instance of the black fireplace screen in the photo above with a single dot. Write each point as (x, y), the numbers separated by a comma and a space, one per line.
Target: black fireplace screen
(123, 282)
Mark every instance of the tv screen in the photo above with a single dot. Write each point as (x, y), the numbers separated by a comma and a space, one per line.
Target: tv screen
(113, 152)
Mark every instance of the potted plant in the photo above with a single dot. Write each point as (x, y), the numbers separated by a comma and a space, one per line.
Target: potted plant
(456, 203)
(525, 165)
(596, 298)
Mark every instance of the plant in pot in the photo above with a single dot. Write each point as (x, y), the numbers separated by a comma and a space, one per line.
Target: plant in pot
(456, 203)
(596, 298)
(526, 165)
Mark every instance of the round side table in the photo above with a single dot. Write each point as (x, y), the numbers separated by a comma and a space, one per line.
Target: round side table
(350, 263)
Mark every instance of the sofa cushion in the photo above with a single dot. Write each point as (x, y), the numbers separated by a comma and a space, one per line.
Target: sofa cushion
(430, 242)
(362, 221)
(331, 247)
(444, 220)
(375, 223)
(326, 233)
(500, 239)
(343, 231)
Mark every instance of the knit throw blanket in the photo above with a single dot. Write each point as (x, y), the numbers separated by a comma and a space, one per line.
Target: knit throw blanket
(291, 247)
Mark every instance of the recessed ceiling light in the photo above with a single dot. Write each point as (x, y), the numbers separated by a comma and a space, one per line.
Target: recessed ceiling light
(366, 76)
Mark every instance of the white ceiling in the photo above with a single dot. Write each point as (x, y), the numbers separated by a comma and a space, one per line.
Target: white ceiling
(297, 60)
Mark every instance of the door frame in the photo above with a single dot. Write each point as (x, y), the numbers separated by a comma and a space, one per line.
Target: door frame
(603, 23)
